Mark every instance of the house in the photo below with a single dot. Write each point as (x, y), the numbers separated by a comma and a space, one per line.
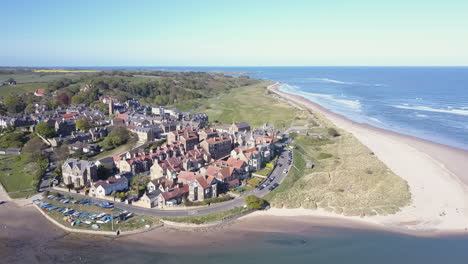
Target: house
(227, 176)
(251, 156)
(97, 133)
(39, 92)
(241, 167)
(188, 137)
(201, 188)
(144, 133)
(217, 147)
(161, 184)
(113, 184)
(107, 163)
(65, 127)
(78, 172)
(207, 133)
(168, 168)
(239, 127)
(173, 197)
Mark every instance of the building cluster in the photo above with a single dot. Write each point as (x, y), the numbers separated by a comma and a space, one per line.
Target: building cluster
(181, 153)
(194, 163)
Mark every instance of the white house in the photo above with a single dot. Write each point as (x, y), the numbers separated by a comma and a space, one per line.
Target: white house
(113, 184)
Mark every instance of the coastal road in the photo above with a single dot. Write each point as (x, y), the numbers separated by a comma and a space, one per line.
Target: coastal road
(277, 173)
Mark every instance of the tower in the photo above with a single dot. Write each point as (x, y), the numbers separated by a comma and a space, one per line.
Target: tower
(111, 107)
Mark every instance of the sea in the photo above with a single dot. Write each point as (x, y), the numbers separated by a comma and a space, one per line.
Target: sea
(426, 102)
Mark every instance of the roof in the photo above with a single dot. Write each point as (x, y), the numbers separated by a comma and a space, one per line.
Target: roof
(216, 140)
(171, 194)
(202, 181)
(40, 91)
(242, 125)
(236, 163)
(186, 176)
(219, 173)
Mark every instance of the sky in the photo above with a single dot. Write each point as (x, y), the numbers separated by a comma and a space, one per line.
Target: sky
(234, 33)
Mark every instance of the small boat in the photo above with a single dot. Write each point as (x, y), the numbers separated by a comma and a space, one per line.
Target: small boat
(72, 223)
(95, 227)
(87, 222)
(100, 222)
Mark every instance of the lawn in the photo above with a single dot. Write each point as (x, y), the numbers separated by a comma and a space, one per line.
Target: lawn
(118, 150)
(264, 172)
(16, 175)
(208, 218)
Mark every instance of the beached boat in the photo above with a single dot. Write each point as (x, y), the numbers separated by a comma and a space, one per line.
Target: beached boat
(95, 227)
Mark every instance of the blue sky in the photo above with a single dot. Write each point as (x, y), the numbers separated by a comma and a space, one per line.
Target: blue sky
(230, 33)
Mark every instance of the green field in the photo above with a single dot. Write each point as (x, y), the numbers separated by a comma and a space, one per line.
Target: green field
(252, 104)
(16, 175)
(22, 88)
(38, 77)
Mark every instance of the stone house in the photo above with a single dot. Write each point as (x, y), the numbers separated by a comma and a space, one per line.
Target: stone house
(78, 172)
(217, 147)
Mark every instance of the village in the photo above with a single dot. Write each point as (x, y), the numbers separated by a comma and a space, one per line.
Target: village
(177, 159)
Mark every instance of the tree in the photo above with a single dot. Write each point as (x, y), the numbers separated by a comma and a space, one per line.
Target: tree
(61, 153)
(64, 99)
(14, 104)
(10, 80)
(83, 124)
(253, 202)
(103, 172)
(33, 148)
(45, 130)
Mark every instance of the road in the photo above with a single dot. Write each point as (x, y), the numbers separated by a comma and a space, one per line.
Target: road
(214, 208)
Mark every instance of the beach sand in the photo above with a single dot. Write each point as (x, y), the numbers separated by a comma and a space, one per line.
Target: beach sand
(436, 174)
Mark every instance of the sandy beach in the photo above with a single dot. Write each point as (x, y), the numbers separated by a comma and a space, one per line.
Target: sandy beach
(436, 175)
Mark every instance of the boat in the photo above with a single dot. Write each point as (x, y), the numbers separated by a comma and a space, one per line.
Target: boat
(95, 227)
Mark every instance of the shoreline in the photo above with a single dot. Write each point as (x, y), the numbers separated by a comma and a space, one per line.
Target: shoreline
(433, 171)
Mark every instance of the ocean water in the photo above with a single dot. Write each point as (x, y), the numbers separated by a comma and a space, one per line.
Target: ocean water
(427, 102)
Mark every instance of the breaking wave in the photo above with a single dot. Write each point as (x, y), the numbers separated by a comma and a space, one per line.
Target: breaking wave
(437, 110)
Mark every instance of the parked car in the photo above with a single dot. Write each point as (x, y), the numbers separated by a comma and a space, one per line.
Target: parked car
(285, 171)
(2, 202)
(273, 187)
(271, 178)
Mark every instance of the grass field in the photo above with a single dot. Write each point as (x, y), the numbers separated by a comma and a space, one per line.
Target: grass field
(251, 104)
(118, 150)
(21, 88)
(16, 176)
(38, 77)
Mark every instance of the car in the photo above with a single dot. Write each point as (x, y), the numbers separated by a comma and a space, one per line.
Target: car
(281, 165)
(271, 178)
(2, 202)
(285, 171)
(261, 187)
(273, 187)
